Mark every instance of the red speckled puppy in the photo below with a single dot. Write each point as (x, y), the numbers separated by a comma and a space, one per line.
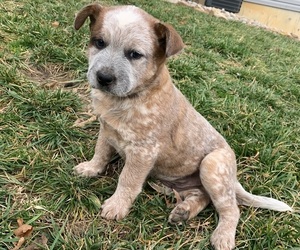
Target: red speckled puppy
(147, 120)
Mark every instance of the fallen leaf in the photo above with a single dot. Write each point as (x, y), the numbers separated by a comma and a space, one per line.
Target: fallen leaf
(20, 243)
(36, 245)
(23, 230)
(79, 123)
(160, 188)
(44, 240)
(20, 222)
(177, 197)
(55, 24)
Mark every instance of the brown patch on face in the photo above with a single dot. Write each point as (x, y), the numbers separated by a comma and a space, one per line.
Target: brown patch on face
(92, 11)
(167, 42)
(168, 38)
(95, 12)
(96, 27)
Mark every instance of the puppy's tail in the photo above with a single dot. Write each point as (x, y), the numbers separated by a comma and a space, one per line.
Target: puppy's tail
(245, 198)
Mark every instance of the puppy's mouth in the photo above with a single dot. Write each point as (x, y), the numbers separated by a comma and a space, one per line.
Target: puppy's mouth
(108, 89)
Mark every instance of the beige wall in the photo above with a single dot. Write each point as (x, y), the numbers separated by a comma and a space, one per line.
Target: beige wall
(282, 20)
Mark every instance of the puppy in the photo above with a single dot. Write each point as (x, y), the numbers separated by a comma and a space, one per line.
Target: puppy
(147, 120)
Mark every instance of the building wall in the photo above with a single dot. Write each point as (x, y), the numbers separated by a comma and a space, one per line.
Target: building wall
(293, 5)
(286, 21)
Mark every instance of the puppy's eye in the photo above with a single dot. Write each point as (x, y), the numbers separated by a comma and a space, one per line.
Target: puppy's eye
(134, 55)
(99, 43)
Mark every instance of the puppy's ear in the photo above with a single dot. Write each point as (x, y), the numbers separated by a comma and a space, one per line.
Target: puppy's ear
(168, 38)
(92, 11)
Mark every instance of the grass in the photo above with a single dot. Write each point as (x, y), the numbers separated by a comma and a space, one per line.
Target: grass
(243, 79)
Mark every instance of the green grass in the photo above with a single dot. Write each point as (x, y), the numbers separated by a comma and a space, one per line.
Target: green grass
(245, 80)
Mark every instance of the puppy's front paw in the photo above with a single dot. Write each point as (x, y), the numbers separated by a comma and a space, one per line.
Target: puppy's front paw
(87, 169)
(115, 208)
(223, 239)
(180, 213)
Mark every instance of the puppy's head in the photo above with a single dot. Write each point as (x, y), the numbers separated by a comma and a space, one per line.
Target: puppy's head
(127, 48)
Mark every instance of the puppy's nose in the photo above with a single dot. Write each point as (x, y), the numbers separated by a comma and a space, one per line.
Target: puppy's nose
(105, 79)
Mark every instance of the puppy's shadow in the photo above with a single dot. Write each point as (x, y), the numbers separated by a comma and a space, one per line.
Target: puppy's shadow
(114, 167)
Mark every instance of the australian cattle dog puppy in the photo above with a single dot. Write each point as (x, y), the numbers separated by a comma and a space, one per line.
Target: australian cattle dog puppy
(148, 121)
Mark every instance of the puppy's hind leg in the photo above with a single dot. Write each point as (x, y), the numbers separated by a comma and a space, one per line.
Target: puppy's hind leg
(194, 201)
(218, 176)
(97, 165)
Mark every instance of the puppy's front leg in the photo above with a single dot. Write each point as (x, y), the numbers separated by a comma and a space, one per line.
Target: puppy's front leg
(103, 153)
(137, 167)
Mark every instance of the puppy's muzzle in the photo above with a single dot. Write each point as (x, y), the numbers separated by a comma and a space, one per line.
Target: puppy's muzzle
(105, 80)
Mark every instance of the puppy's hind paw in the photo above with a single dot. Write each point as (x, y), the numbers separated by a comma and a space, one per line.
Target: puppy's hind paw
(180, 213)
(87, 169)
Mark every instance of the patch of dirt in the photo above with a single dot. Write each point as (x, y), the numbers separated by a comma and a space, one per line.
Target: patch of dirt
(51, 76)
(55, 76)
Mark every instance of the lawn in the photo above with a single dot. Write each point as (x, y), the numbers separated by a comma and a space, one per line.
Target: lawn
(244, 80)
